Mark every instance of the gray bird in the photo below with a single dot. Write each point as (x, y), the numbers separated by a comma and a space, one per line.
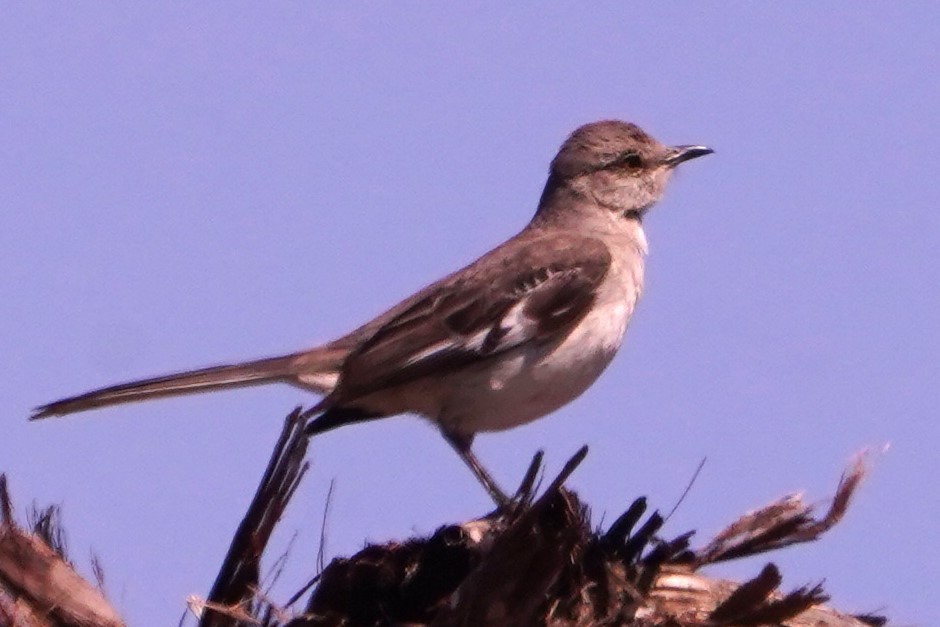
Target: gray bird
(518, 333)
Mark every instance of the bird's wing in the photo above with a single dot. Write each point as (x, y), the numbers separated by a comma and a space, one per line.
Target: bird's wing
(529, 290)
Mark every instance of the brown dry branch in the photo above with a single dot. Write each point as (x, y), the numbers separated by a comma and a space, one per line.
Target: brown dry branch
(540, 563)
(234, 598)
(545, 566)
(38, 586)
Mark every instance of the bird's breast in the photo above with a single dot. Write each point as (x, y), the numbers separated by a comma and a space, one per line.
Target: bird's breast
(534, 380)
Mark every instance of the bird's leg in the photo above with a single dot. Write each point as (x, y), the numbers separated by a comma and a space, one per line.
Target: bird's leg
(461, 444)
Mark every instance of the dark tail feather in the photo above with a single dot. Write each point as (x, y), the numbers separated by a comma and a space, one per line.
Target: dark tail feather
(203, 380)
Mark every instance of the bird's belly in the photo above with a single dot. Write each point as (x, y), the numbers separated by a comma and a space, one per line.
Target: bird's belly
(533, 381)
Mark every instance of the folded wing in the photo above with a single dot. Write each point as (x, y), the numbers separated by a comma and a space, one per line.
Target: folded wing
(512, 300)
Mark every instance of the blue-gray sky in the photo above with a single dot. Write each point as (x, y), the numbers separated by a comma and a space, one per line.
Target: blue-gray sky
(188, 184)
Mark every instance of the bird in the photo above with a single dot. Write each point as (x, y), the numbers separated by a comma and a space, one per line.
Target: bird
(509, 338)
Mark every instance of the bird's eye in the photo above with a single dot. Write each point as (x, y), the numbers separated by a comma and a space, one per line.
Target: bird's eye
(631, 160)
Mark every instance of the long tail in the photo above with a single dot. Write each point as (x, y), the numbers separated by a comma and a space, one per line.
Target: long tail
(204, 380)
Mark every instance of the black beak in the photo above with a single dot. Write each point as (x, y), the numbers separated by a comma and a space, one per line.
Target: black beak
(678, 154)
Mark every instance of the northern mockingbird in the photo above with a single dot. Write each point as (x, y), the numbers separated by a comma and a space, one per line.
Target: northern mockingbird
(513, 336)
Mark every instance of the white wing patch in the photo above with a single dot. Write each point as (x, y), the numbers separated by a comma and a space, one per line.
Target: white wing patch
(515, 328)
(428, 352)
(537, 278)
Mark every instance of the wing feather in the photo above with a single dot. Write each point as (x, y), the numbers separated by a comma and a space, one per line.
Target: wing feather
(536, 292)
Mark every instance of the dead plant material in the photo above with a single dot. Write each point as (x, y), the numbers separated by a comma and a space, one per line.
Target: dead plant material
(38, 587)
(234, 596)
(542, 565)
(538, 562)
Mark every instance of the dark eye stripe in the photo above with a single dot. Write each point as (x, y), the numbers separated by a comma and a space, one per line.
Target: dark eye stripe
(633, 160)
(629, 159)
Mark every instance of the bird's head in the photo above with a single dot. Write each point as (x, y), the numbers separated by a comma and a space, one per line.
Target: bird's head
(616, 165)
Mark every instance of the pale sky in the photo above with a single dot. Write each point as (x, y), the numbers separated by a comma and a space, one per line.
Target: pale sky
(189, 184)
